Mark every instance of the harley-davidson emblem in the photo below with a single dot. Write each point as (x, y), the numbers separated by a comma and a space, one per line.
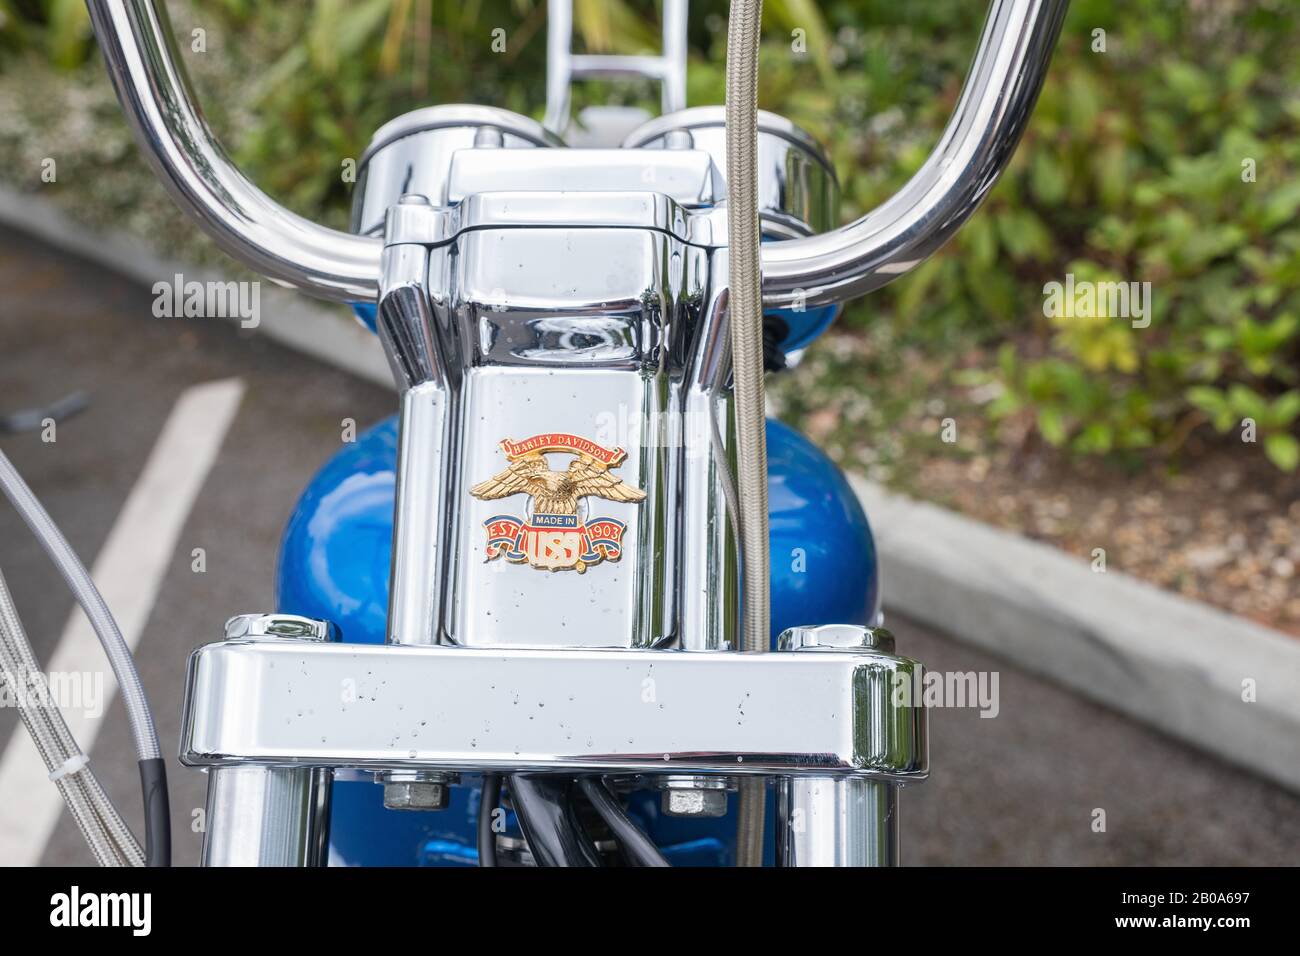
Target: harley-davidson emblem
(555, 533)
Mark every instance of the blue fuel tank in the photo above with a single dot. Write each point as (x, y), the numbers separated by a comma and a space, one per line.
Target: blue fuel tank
(334, 565)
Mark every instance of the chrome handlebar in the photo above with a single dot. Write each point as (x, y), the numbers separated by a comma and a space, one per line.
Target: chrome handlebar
(1015, 47)
(140, 52)
(901, 233)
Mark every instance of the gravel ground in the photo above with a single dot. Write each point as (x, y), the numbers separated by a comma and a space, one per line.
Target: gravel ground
(1021, 788)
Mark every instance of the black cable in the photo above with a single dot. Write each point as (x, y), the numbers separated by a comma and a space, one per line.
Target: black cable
(488, 800)
(544, 805)
(775, 331)
(639, 847)
(157, 813)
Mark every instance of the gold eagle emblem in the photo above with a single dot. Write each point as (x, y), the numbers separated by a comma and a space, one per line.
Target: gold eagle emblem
(553, 535)
(556, 492)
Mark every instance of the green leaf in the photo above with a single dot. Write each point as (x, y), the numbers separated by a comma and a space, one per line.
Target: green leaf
(1051, 425)
(1097, 439)
(1008, 363)
(1248, 403)
(806, 15)
(338, 31)
(1283, 450)
(1214, 403)
(1005, 404)
(1110, 167)
(1281, 205)
(982, 242)
(1023, 235)
(1084, 101)
(1285, 409)
(69, 32)
(1046, 178)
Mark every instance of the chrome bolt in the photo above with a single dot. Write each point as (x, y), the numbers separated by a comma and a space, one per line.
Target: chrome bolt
(488, 137)
(679, 139)
(836, 637)
(416, 796)
(278, 625)
(416, 790)
(694, 796)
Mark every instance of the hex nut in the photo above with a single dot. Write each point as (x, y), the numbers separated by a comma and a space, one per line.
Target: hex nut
(837, 637)
(416, 795)
(694, 802)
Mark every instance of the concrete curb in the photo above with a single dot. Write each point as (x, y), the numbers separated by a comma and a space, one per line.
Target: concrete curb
(1172, 663)
(322, 330)
(1175, 664)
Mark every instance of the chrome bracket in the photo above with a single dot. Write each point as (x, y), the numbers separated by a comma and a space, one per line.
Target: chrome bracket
(311, 704)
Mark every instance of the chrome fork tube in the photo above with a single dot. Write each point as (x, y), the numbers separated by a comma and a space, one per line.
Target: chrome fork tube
(828, 821)
(414, 610)
(709, 574)
(837, 820)
(407, 326)
(266, 816)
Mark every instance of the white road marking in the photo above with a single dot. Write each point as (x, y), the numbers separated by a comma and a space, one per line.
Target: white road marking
(128, 572)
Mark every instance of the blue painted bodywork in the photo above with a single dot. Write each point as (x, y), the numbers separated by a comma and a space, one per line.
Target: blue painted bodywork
(367, 314)
(803, 325)
(334, 565)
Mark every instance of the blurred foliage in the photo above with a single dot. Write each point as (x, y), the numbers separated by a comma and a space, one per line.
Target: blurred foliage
(59, 29)
(1134, 169)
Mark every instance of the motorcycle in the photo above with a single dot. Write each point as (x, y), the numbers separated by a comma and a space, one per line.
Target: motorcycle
(526, 620)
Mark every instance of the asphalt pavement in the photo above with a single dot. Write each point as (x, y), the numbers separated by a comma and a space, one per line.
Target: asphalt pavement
(1024, 787)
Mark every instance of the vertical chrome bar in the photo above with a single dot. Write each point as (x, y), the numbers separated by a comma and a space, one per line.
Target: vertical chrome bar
(414, 609)
(406, 324)
(259, 816)
(828, 821)
(562, 67)
(709, 575)
(559, 64)
(674, 56)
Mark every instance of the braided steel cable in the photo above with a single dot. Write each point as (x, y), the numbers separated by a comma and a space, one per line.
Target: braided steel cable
(110, 839)
(745, 299)
(74, 573)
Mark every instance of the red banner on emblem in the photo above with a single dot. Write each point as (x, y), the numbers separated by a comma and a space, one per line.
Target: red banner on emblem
(576, 545)
(562, 441)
